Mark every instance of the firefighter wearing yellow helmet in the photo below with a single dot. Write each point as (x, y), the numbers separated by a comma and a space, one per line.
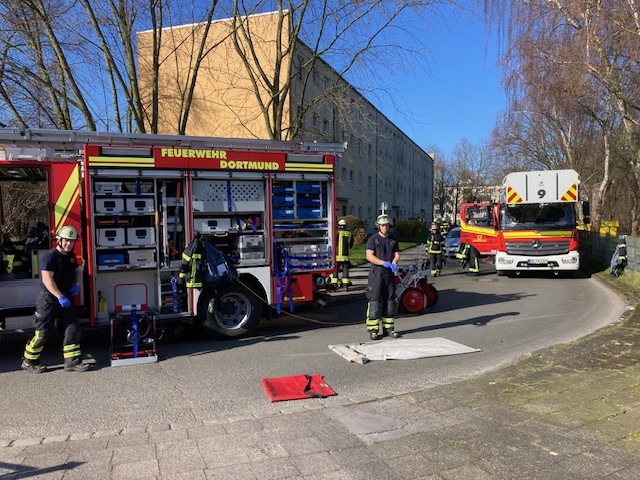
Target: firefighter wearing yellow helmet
(345, 243)
(60, 274)
(383, 254)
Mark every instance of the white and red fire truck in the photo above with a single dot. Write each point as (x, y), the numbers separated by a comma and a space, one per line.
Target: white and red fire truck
(532, 227)
(138, 200)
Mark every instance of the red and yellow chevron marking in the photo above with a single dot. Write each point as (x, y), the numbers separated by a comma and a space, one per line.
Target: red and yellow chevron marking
(571, 195)
(308, 167)
(67, 198)
(512, 196)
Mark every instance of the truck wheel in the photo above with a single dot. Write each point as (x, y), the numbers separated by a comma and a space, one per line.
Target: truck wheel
(231, 312)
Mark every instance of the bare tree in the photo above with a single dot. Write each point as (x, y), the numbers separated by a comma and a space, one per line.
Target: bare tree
(356, 37)
(74, 64)
(573, 72)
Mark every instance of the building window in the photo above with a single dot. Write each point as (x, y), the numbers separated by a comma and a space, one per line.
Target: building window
(325, 126)
(359, 212)
(369, 182)
(351, 176)
(316, 120)
(299, 67)
(359, 182)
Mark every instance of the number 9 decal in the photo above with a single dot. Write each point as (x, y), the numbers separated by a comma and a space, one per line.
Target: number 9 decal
(541, 193)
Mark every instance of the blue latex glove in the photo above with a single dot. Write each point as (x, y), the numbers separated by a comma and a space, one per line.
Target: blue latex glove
(386, 264)
(74, 290)
(64, 302)
(394, 267)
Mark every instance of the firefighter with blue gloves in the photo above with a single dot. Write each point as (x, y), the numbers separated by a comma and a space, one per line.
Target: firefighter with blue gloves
(59, 273)
(383, 254)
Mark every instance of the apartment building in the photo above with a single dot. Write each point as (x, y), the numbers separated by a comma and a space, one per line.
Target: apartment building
(380, 164)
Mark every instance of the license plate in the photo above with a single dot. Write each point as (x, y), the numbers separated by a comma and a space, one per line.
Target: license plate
(537, 261)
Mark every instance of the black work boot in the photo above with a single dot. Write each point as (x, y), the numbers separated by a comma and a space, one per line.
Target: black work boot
(77, 367)
(391, 333)
(33, 367)
(374, 335)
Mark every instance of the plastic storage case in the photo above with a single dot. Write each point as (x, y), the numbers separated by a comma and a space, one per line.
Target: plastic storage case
(308, 212)
(140, 236)
(308, 187)
(141, 256)
(301, 249)
(283, 212)
(108, 187)
(109, 205)
(140, 205)
(110, 259)
(212, 225)
(251, 247)
(111, 237)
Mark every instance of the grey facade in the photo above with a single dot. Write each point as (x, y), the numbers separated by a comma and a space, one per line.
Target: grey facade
(380, 164)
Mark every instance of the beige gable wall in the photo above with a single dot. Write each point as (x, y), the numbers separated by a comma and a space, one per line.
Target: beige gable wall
(224, 103)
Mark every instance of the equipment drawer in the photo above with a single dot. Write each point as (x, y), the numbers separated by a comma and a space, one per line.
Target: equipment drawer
(109, 205)
(140, 236)
(212, 225)
(110, 237)
(140, 205)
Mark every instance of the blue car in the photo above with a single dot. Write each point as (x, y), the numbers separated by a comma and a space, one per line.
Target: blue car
(452, 242)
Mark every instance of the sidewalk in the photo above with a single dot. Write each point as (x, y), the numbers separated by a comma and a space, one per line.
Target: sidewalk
(572, 412)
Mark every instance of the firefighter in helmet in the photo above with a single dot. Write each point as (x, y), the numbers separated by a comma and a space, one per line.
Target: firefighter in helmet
(469, 255)
(383, 254)
(435, 248)
(60, 275)
(445, 226)
(345, 243)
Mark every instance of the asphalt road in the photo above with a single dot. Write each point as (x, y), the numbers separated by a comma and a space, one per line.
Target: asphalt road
(199, 379)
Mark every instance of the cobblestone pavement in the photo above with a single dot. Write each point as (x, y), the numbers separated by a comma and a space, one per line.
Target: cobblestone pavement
(571, 412)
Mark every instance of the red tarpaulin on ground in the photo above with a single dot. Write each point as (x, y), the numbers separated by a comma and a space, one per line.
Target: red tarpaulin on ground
(296, 387)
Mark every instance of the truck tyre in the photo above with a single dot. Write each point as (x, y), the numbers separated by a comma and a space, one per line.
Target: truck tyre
(228, 312)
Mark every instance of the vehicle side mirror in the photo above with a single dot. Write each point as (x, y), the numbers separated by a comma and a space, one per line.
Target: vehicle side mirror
(586, 212)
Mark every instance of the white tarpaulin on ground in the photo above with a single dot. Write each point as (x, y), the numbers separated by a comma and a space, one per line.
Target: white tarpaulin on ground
(400, 349)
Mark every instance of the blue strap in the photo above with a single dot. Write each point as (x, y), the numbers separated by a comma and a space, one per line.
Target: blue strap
(277, 277)
(174, 292)
(229, 203)
(138, 187)
(253, 222)
(134, 329)
(239, 223)
(287, 278)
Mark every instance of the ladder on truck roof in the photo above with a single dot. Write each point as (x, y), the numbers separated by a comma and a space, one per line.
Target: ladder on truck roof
(54, 141)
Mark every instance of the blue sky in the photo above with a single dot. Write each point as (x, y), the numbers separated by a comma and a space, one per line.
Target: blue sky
(461, 95)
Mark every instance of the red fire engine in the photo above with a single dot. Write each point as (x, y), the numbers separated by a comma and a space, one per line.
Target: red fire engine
(138, 200)
(532, 227)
